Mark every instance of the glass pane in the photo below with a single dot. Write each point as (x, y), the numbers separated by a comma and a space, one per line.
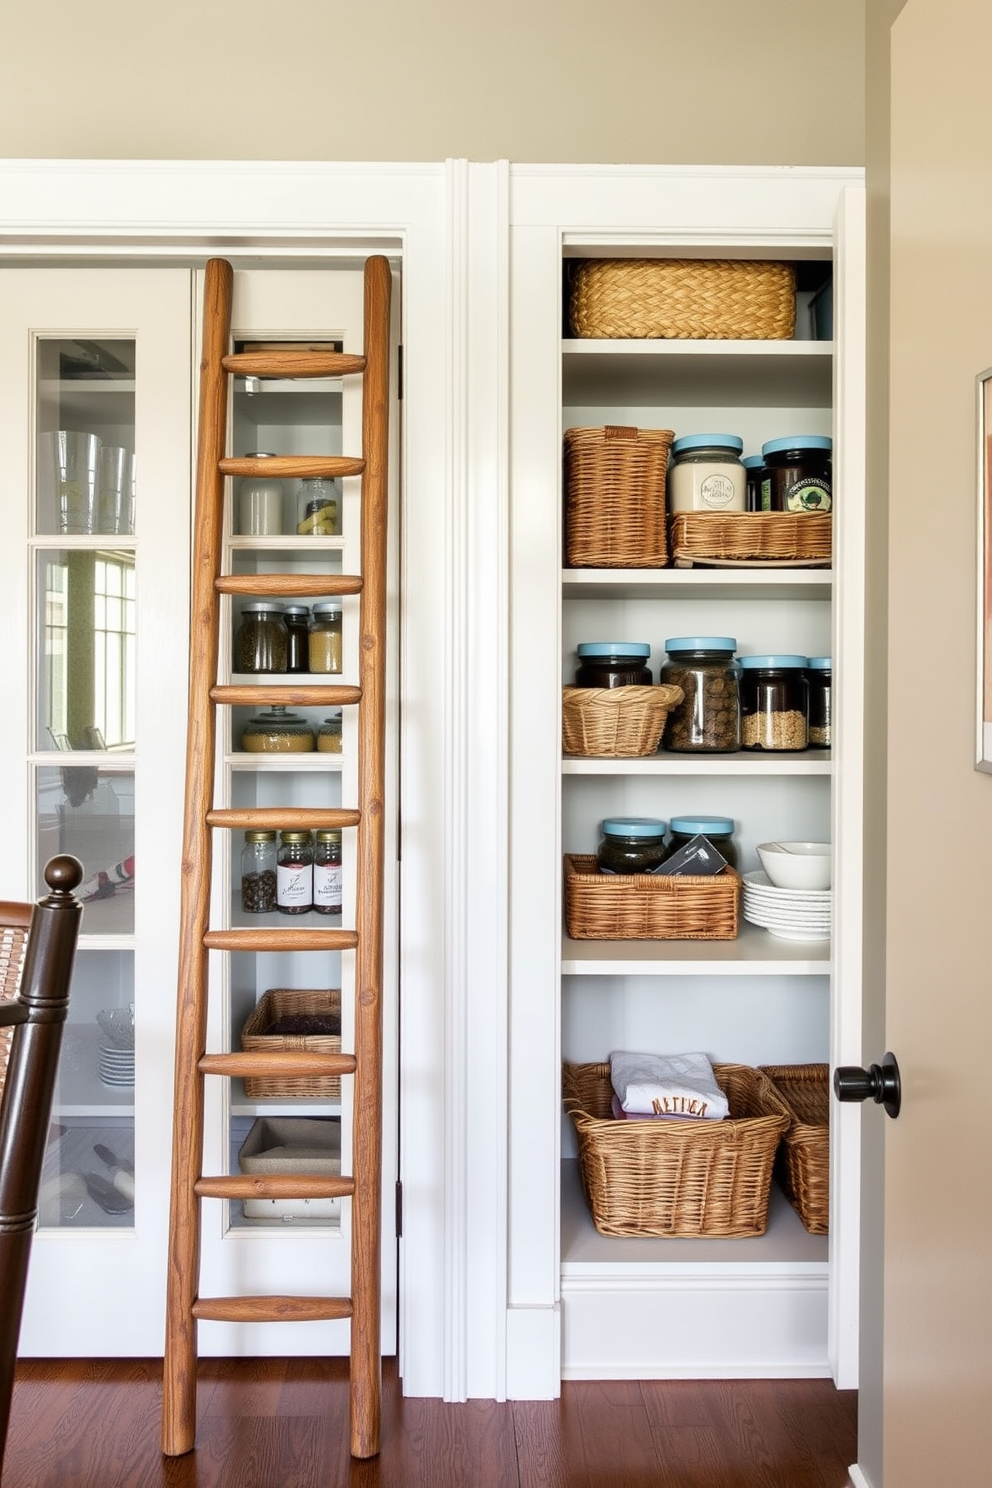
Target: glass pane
(85, 458)
(85, 602)
(88, 811)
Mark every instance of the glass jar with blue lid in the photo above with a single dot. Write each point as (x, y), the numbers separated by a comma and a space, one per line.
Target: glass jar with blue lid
(708, 719)
(718, 829)
(613, 664)
(819, 679)
(754, 469)
(774, 702)
(632, 844)
(706, 474)
(798, 474)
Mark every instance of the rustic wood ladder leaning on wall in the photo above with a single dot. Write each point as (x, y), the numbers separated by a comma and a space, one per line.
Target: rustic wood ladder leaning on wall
(189, 1185)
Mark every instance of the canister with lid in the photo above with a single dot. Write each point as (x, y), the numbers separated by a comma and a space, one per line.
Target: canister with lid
(325, 642)
(259, 501)
(708, 719)
(297, 621)
(632, 844)
(773, 702)
(797, 475)
(706, 474)
(258, 873)
(316, 508)
(613, 664)
(294, 873)
(261, 643)
(819, 679)
(754, 469)
(277, 731)
(327, 873)
(719, 830)
(329, 735)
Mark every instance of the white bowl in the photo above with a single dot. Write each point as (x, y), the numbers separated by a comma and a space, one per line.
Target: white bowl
(797, 865)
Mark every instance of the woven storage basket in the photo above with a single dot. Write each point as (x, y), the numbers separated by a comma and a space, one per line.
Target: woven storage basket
(607, 722)
(682, 298)
(755, 538)
(649, 906)
(280, 1002)
(615, 497)
(13, 944)
(803, 1163)
(677, 1178)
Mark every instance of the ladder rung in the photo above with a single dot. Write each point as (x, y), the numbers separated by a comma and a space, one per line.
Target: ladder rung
(293, 363)
(277, 1062)
(271, 1309)
(280, 940)
(276, 1186)
(289, 584)
(284, 817)
(281, 467)
(302, 697)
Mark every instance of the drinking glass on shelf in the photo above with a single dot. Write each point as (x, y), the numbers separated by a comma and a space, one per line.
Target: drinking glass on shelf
(112, 496)
(67, 476)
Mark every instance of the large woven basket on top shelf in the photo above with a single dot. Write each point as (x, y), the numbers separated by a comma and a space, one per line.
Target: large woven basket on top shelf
(615, 480)
(677, 1178)
(649, 906)
(803, 1163)
(615, 722)
(297, 1004)
(794, 539)
(683, 299)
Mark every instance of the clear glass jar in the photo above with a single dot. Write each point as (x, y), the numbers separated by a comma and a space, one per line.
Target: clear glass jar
(774, 705)
(325, 640)
(259, 501)
(297, 621)
(277, 732)
(327, 873)
(613, 664)
(754, 470)
(706, 474)
(819, 680)
(294, 873)
(258, 873)
(797, 476)
(329, 735)
(718, 829)
(261, 643)
(317, 508)
(708, 719)
(632, 844)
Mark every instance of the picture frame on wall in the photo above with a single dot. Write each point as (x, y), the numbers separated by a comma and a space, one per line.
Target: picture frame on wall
(983, 757)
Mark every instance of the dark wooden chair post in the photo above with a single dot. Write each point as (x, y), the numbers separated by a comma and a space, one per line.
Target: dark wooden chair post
(37, 1016)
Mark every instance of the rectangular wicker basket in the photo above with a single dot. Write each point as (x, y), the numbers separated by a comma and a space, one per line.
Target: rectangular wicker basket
(683, 299)
(751, 539)
(648, 906)
(280, 1002)
(803, 1163)
(615, 480)
(677, 1178)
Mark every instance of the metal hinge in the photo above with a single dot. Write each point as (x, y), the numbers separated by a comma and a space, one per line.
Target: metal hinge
(399, 1209)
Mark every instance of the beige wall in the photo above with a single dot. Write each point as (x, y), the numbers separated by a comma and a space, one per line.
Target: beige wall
(639, 81)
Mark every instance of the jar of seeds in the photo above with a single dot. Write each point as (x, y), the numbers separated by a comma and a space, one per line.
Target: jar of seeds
(819, 677)
(708, 719)
(258, 873)
(773, 702)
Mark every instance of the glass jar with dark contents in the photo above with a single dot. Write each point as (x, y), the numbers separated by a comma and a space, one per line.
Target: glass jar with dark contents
(773, 702)
(632, 844)
(613, 664)
(754, 469)
(708, 719)
(819, 679)
(797, 475)
(262, 641)
(297, 621)
(718, 829)
(258, 873)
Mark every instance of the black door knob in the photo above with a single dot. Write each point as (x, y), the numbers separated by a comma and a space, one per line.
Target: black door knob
(879, 1083)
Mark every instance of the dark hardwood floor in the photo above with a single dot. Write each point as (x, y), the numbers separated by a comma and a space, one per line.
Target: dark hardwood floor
(283, 1423)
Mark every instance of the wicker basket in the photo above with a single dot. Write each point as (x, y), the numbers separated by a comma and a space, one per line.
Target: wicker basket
(282, 1002)
(683, 298)
(649, 906)
(677, 1178)
(615, 497)
(615, 722)
(803, 1163)
(752, 539)
(13, 944)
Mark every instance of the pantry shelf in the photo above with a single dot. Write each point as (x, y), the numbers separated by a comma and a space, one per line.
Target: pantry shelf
(684, 374)
(742, 763)
(708, 583)
(755, 952)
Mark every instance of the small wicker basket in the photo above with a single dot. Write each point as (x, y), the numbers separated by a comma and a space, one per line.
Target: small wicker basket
(803, 1163)
(677, 1178)
(283, 1002)
(615, 481)
(649, 906)
(683, 299)
(751, 539)
(615, 722)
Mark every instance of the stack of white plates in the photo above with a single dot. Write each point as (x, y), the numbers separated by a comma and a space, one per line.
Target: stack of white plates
(792, 914)
(116, 1066)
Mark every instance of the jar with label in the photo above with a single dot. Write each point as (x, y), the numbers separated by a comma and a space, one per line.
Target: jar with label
(327, 873)
(613, 664)
(819, 679)
(797, 474)
(754, 469)
(258, 873)
(706, 474)
(261, 643)
(632, 844)
(773, 702)
(708, 719)
(718, 829)
(294, 873)
(325, 640)
(277, 731)
(297, 621)
(329, 735)
(259, 501)
(317, 508)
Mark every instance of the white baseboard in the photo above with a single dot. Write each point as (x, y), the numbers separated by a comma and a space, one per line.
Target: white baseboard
(856, 1477)
(533, 1353)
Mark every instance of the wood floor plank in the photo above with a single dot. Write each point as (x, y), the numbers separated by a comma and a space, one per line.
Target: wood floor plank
(550, 1452)
(619, 1447)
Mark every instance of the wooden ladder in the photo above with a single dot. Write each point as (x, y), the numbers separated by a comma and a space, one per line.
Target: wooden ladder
(185, 1307)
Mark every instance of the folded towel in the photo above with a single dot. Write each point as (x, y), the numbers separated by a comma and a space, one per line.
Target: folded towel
(667, 1085)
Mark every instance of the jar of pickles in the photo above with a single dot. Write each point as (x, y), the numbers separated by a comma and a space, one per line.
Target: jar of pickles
(261, 643)
(316, 508)
(325, 640)
(773, 702)
(708, 719)
(819, 678)
(613, 664)
(632, 844)
(718, 829)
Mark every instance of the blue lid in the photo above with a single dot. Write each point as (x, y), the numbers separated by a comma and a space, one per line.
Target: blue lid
(700, 643)
(798, 442)
(613, 648)
(819, 663)
(634, 826)
(752, 462)
(708, 441)
(689, 826)
(771, 661)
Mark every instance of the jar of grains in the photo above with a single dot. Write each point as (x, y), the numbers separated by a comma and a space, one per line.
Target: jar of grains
(708, 719)
(706, 474)
(325, 648)
(613, 664)
(277, 731)
(797, 476)
(294, 873)
(717, 829)
(329, 735)
(819, 678)
(297, 621)
(258, 873)
(632, 844)
(773, 702)
(262, 642)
